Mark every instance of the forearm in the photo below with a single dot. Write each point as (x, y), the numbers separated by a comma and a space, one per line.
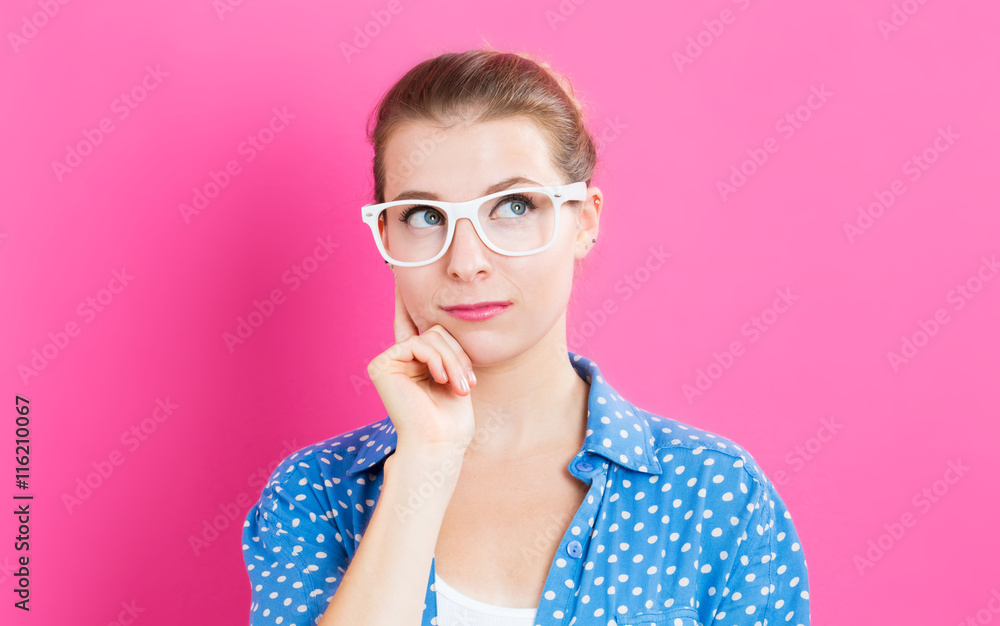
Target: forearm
(394, 556)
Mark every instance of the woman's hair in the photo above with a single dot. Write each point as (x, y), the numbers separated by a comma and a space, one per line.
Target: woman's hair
(481, 86)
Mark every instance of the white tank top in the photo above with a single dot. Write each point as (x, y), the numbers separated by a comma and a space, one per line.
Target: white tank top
(456, 609)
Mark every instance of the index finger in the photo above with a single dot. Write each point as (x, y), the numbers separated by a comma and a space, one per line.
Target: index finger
(402, 323)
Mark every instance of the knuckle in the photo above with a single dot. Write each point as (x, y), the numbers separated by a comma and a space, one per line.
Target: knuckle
(404, 345)
(441, 330)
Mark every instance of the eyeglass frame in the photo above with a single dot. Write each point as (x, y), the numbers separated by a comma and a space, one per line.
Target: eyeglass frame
(469, 209)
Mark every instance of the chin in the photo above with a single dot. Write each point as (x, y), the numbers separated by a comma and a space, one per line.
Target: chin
(487, 349)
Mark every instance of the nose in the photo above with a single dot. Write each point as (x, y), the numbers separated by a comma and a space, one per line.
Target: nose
(468, 254)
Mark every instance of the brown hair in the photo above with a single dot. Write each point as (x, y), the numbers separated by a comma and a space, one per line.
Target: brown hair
(481, 86)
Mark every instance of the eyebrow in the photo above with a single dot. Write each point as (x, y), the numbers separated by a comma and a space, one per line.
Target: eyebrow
(504, 184)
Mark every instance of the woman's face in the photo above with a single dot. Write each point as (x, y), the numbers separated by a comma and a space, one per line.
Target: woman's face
(460, 164)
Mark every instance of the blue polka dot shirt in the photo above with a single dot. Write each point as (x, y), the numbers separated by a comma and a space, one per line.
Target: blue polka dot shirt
(680, 527)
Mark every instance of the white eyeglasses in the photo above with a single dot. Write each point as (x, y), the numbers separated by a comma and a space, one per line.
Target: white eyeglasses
(513, 222)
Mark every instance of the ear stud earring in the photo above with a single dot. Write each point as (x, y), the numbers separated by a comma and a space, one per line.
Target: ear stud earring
(597, 201)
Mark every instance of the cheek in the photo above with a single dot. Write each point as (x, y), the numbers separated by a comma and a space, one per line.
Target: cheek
(552, 284)
(418, 300)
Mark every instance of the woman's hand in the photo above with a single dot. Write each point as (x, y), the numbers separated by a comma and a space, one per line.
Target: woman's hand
(424, 381)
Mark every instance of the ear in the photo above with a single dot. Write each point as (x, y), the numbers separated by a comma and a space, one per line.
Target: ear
(589, 218)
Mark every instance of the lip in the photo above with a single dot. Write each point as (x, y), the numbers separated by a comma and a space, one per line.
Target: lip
(476, 305)
(478, 311)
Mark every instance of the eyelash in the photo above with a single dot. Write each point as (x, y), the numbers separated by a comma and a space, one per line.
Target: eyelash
(405, 217)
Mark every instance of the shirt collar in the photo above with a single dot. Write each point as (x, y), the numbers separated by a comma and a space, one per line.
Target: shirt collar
(616, 429)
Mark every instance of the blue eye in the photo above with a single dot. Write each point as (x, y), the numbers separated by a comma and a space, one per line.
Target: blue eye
(520, 205)
(431, 217)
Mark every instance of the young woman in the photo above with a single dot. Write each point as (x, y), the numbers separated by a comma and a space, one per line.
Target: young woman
(509, 483)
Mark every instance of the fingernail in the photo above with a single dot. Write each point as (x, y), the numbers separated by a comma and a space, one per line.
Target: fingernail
(464, 384)
(472, 375)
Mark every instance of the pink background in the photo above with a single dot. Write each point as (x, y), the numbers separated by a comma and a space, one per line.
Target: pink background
(670, 132)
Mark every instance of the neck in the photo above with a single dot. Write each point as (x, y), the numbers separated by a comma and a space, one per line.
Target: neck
(535, 403)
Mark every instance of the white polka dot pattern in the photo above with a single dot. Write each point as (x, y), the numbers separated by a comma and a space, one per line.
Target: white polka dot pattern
(680, 527)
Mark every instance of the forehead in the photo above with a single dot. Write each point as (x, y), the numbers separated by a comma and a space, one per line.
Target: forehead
(460, 162)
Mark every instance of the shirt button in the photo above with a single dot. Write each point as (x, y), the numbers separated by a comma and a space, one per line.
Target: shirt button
(584, 466)
(574, 548)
